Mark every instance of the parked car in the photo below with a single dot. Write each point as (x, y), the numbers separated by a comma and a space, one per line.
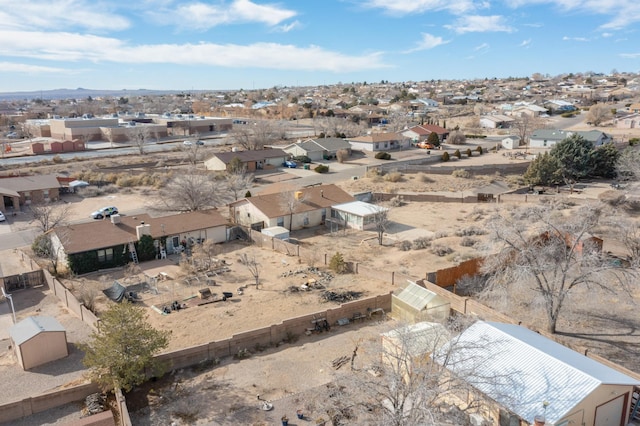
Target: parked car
(2, 217)
(290, 164)
(187, 143)
(426, 145)
(104, 212)
(200, 143)
(12, 135)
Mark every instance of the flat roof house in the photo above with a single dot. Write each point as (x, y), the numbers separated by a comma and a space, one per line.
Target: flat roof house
(251, 160)
(380, 142)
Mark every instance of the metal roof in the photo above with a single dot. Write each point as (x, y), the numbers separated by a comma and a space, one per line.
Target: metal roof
(359, 208)
(528, 369)
(32, 326)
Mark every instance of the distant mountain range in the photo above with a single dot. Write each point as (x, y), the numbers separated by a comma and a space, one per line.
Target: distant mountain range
(81, 93)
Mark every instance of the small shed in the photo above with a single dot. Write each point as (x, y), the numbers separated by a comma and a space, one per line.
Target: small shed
(279, 232)
(415, 303)
(39, 340)
(511, 142)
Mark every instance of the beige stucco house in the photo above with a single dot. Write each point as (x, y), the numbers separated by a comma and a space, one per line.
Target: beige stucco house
(296, 209)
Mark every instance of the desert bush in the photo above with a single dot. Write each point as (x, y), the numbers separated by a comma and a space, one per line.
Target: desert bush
(342, 155)
(632, 205)
(469, 285)
(468, 152)
(515, 180)
(457, 153)
(321, 168)
(404, 245)
(421, 243)
(394, 176)
(461, 173)
(457, 138)
(612, 198)
(424, 178)
(57, 159)
(441, 250)
(471, 230)
(468, 242)
(382, 155)
(440, 234)
(89, 192)
(396, 201)
(88, 297)
(479, 150)
(445, 156)
(302, 159)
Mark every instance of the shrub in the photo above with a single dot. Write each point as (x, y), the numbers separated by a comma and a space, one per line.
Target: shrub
(404, 245)
(57, 159)
(302, 159)
(445, 156)
(247, 194)
(468, 242)
(383, 155)
(321, 168)
(479, 150)
(396, 201)
(461, 173)
(424, 178)
(393, 177)
(471, 230)
(633, 141)
(342, 155)
(441, 250)
(337, 263)
(457, 153)
(468, 152)
(421, 243)
(613, 198)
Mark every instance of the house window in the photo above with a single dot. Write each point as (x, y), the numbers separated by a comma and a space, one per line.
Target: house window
(105, 255)
(280, 221)
(175, 241)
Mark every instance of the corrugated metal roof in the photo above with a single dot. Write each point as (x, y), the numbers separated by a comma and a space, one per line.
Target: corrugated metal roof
(528, 369)
(359, 208)
(32, 326)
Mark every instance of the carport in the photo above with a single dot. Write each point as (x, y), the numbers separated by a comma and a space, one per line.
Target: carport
(10, 198)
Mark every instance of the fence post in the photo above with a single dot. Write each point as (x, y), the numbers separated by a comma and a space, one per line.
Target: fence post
(393, 277)
(325, 258)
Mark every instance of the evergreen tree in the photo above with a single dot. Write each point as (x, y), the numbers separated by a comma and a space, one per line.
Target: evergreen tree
(544, 170)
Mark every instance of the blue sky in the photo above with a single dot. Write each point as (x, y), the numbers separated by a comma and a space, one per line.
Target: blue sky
(253, 44)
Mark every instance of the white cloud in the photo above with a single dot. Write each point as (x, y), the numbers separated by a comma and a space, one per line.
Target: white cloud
(630, 55)
(288, 27)
(525, 43)
(405, 7)
(30, 69)
(75, 47)
(581, 39)
(481, 47)
(607, 35)
(476, 23)
(202, 16)
(56, 14)
(428, 42)
(622, 12)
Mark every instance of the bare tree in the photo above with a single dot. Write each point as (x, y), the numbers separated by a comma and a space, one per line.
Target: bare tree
(192, 152)
(139, 135)
(255, 136)
(628, 166)
(598, 114)
(404, 378)
(457, 137)
(290, 201)
(525, 125)
(252, 266)
(551, 254)
(49, 216)
(191, 191)
(381, 221)
(238, 181)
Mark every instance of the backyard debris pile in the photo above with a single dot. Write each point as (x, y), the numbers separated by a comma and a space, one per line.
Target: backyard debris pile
(339, 362)
(95, 403)
(340, 297)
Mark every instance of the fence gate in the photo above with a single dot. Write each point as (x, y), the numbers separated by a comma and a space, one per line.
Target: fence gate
(22, 281)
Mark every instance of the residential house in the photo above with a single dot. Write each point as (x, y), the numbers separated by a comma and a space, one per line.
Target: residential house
(545, 138)
(251, 160)
(629, 121)
(421, 133)
(356, 215)
(293, 210)
(496, 121)
(523, 374)
(530, 110)
(380, 142)
(318, 149)
(101, 244)
(25, 190)
(559, 106)
(634, 107)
